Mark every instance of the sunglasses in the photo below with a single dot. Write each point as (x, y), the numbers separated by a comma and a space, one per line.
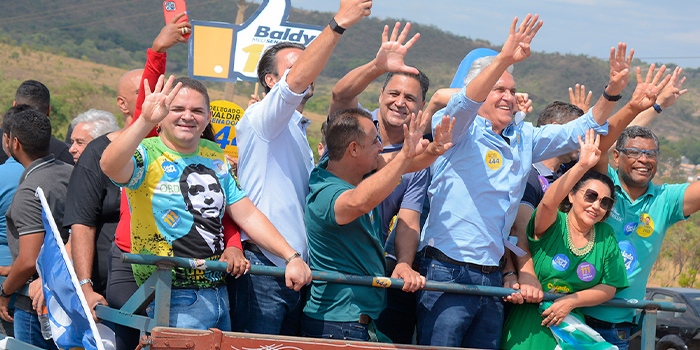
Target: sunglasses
(636, 153)
(590, 196)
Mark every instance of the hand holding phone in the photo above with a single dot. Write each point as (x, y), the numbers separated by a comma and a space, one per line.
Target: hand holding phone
(172, 8)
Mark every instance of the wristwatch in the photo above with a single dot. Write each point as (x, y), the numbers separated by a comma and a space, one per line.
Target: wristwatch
(609, 97)
(294, 256)
(2, 292)
(335, 27)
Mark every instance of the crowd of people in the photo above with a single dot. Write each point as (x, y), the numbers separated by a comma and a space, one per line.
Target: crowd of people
(458, 190)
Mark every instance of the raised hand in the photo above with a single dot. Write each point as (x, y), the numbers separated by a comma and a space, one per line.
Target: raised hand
(442, 137)
(672, 91)
(517, 46)
(352, 11)
(413, 142)
(619, 69)
(578, 97)
(156, 105)
(648, 89)
(523, 102)
(391, 54)
(590, 154)
(172, 34)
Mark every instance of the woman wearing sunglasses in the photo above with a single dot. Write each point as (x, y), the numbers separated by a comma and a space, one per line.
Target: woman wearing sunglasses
(573, 250)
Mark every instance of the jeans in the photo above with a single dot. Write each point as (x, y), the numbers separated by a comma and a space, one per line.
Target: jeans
(459, 320)
(28, 330)
(264, 304)
(619, 337)
(121, 285)
(198, 308)
(313, 328)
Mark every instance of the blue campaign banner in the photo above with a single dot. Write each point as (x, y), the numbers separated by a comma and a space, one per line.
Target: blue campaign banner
(71, 320)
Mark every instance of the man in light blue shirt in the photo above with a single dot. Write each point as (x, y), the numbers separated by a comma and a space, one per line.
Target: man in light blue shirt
(476, 188)
(275, 162)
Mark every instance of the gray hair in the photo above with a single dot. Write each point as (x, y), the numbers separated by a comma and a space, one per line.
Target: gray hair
(634, 132)
(102, 122)
(479, 65)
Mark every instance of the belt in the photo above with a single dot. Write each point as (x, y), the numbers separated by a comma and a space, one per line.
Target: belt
(250, 246)
(434, 253)
(596, 323)
(364, 319)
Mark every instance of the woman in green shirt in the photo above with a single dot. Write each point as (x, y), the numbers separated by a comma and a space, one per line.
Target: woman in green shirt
(573, 250)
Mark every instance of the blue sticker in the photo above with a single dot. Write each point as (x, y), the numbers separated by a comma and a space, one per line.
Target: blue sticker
(629, 255)
(170, 170)
(544, 183)
(560, 262)
(630, 227)
(171, 219)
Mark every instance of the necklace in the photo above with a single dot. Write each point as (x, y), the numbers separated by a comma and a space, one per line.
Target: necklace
(587, 248)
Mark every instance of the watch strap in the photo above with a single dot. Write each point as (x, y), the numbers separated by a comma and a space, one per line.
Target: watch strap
(335, 27)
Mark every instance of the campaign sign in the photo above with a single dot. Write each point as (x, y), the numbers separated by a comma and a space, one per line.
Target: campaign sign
(229, 52)
(224, 116)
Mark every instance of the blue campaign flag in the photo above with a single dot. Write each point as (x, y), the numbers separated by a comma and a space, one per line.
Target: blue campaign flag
(71, 320)
(466, 64)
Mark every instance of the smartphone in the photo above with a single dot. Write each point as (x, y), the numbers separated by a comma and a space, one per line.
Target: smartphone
(171, 8)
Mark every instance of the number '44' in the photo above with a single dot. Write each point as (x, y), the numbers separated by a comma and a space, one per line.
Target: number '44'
(222, 137)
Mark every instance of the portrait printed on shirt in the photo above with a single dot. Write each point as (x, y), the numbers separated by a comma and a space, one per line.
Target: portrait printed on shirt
(205, 200)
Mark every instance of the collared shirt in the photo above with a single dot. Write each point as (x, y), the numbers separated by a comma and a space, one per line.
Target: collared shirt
(477, 184)
(275, 162)
(640, 227)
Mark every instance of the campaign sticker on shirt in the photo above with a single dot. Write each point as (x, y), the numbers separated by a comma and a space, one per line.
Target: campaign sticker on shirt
(170, 170)
(493, 160)
(556, 286)
(219, 167)
(629, 255)
(585, 272)
(647, 228)
(630, 227)
(171, 219)
(560, 262)
(544, 183)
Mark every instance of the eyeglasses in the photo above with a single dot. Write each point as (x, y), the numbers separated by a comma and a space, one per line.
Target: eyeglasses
(636, 153)
(590, 196)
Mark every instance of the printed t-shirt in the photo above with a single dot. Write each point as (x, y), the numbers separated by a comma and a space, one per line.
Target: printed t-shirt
(177, 202)
(559, 270)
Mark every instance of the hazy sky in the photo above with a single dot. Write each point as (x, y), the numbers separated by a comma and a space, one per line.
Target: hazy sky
(658, 31)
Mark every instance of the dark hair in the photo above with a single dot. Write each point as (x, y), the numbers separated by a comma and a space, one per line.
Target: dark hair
(268, 61)
(633, 132)
(342, 129)
(195, 85)
(208, 133)
(591, 174)
(420, 77)
(185, 186)
(35, 94)
(10, 114)
(559, 112)
(33, 130)
(324, 129)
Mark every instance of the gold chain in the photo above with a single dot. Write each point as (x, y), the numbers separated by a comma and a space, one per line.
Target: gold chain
(586, 249)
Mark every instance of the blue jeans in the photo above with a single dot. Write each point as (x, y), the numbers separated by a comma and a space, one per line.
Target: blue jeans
(616, 336)
(264, 304)
(198, 308)
(28, 330)
(459, 320)
(313, 328)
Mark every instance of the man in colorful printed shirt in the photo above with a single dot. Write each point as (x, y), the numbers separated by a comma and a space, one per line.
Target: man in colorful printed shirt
(178, 187)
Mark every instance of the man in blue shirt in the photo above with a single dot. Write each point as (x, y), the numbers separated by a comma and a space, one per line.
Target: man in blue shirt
(476, 187)
(275, 162)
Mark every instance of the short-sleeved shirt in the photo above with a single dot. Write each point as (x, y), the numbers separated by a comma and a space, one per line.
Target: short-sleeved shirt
(640, 227)
(478, 183)
(10, 172)
(24, 214)
(177, 201)
(561, 271)
(354, 248)
(274, 163)
(93, 200)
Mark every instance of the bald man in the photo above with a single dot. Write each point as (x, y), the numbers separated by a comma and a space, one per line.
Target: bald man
(128, 92)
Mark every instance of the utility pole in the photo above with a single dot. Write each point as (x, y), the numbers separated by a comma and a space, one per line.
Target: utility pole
(229, 89)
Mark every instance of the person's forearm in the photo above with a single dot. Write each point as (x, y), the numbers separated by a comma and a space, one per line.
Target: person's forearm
(593, 296)
(259, 228)
(347, 89)
(617, 125)
(22, 270)
(118, 154)
(407, 236)
(479, 88)
(311, 62)
(83, 241)
(602, 110)
(645, 118)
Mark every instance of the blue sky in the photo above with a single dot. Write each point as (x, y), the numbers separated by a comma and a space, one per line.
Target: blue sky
(657, 32)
